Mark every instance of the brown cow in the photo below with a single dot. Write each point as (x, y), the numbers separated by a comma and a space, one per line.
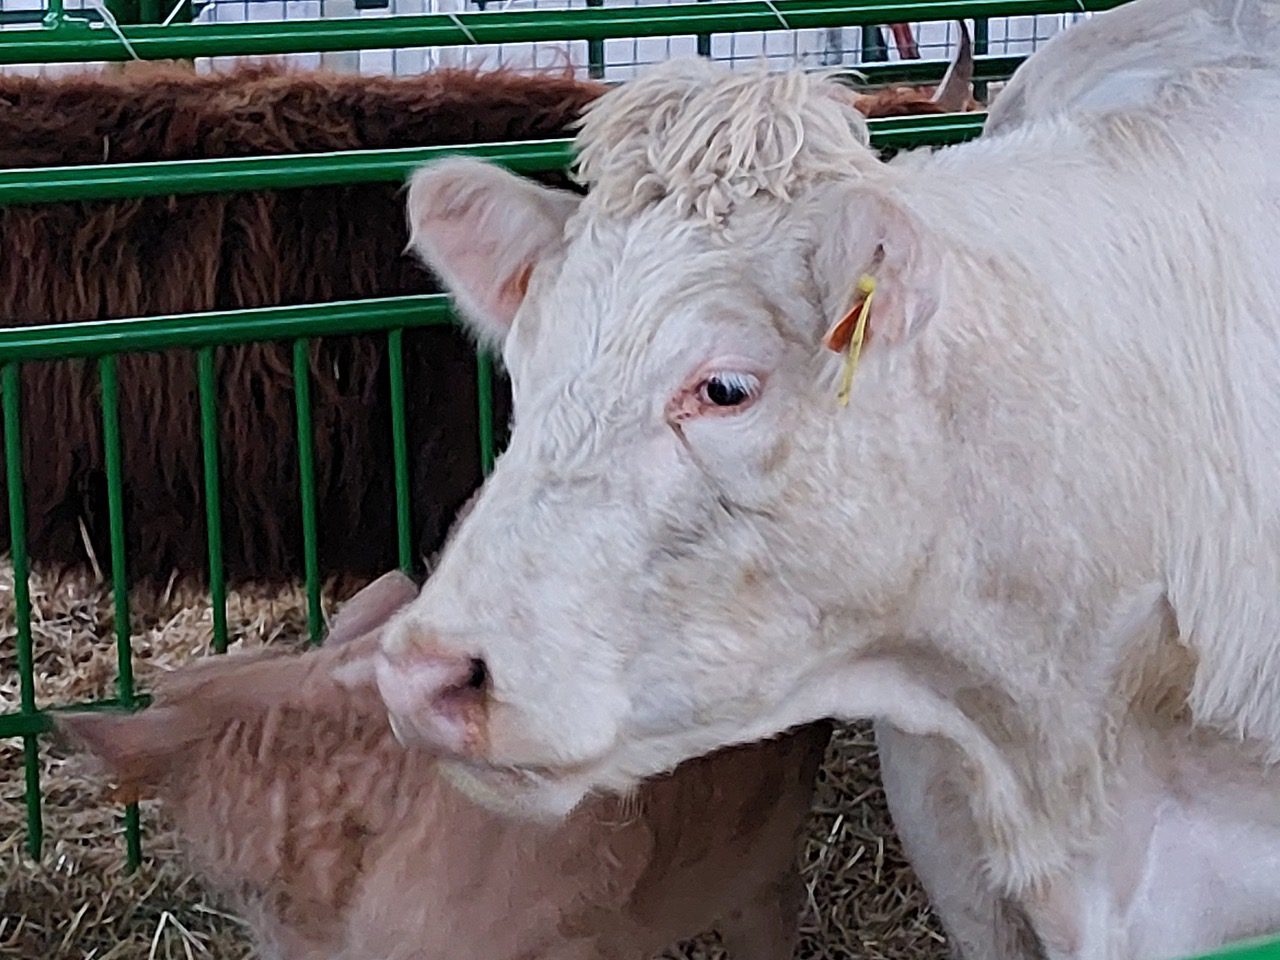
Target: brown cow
(87, 261)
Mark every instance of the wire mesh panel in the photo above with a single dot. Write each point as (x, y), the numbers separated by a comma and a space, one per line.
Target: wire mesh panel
(610, 59)
(618, 59)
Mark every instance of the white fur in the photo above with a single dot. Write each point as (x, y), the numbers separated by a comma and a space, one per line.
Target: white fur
(1048, 520)
(1120, 59)
(479, 241)
(1189, 859)
(702, 142)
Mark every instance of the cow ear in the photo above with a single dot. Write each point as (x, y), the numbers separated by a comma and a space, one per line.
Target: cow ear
(860, 231)
(372, 607)
(483, 231)
(135, 749)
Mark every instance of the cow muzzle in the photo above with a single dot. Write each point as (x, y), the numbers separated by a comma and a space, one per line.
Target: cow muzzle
(435, 699)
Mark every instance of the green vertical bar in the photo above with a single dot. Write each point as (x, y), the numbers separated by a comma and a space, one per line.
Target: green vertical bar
(212, 494)
(981, 46)
(484, 400)
(119, 579)
(125, 11)
(307, 480)
(55, 14)
(400, 450)
(10, 387)
(873, 47)
(704, 42)
(595, 50)
(157, 11)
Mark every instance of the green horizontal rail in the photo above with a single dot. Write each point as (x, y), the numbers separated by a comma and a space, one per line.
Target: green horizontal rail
(29, 18)
(33, 185)
(1266, 949)
(72, 42)
(39, 722)
(928, 130)
(125, 180)
(931, 71)
(95, 338)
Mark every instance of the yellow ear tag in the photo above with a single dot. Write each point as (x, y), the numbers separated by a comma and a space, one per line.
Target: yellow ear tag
(867, 289)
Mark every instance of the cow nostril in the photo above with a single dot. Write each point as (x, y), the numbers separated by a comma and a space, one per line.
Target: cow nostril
(478, 678)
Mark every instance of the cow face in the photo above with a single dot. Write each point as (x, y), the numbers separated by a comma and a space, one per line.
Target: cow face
(650, 572)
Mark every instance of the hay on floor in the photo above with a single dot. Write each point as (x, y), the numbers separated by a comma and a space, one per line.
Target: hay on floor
(80, 902)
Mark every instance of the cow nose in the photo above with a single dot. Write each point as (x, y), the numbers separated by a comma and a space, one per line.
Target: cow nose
(436, 700)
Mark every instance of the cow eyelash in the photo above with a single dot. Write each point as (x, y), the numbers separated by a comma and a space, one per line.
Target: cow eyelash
(725, 390)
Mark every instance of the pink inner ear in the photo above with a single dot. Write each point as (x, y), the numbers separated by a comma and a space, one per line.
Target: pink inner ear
(513, 291)
(480, 273)
(838, 338)
(517, 284)
(482, 230)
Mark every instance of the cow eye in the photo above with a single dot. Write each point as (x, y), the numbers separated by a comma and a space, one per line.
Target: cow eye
(728, 389)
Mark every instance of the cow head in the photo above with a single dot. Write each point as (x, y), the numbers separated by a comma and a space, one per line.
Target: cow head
(686, 529)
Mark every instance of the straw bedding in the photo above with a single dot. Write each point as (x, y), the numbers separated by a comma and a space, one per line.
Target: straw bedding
(81, 903)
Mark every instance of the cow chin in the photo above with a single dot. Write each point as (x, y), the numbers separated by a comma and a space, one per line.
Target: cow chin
(511, 793)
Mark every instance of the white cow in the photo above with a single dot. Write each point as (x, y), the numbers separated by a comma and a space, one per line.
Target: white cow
(1044, 533)
(1122, 58)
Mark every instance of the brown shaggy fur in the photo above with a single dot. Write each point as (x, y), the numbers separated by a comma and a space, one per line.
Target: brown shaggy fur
(84, 261)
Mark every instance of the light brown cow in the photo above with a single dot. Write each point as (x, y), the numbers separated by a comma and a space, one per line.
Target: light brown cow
(282, 776)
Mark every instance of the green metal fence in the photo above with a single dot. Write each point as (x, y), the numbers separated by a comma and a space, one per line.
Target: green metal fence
(64, 38)
(69, 40)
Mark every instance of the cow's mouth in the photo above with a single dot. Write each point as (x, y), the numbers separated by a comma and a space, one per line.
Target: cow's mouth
(525, 793)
